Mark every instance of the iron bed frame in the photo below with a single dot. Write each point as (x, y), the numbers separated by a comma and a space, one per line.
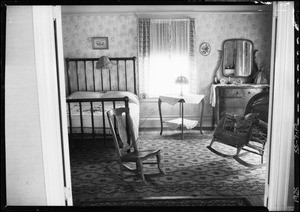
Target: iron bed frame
(125, 99)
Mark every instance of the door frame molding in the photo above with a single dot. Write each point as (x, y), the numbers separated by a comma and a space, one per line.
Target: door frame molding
(47, 79)
(281, 122)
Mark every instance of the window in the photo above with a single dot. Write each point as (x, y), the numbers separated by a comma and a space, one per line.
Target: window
(164, 53)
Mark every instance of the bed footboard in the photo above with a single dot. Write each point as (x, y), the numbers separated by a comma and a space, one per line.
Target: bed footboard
(91, 102)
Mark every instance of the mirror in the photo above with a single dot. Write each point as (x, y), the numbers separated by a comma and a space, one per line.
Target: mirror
(238, 59)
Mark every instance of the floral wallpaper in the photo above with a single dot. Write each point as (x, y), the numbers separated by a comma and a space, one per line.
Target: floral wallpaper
(121, 31)
(213, 28)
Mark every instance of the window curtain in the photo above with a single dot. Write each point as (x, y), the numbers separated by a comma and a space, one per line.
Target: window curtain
(166, 51)
(143, 55)
(280, 188)
(193, 75)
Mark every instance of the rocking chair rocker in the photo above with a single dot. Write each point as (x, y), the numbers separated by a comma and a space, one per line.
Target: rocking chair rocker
(247, 133)
(124, 150)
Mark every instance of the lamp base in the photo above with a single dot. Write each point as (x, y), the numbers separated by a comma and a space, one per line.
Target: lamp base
(181, 91)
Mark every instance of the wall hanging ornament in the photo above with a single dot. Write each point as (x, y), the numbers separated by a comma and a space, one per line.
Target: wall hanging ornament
(204, 48)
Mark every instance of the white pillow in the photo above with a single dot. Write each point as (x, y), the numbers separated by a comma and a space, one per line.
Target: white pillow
(120, 94)
(85, 95)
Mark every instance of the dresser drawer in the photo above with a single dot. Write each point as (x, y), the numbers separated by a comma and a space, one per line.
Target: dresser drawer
(251, 92)
(232, 102)
(234, 99)
(234, 111)
(233, 92)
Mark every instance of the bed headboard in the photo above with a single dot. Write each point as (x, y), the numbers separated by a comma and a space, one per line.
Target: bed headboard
(82, 75)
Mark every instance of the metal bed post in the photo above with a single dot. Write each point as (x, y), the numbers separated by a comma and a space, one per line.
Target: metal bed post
(84, 63)
(134, 75)
(93, 68)
(109, 75)
(72, 83)
(93, 127)
(81, 121)
(126, 75)
(118, 78)
(103, 121)
(68, 76)
(70, 123)
(77, 75)
(127, 121)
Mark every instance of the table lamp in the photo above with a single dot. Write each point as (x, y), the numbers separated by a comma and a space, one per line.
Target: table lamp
(103, 62)
(181, 80)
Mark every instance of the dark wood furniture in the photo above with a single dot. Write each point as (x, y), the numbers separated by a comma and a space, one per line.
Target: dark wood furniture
(236, 62)
(128, 152)
(233, 98)
(174, 99)
(82, 75)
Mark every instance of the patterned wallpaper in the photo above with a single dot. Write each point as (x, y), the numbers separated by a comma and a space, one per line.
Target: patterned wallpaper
(121, 31)
(213, 28)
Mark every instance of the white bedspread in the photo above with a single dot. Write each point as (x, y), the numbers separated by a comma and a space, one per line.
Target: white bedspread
(97, 110)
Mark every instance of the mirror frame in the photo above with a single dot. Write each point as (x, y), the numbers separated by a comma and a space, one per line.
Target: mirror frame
(252, 61)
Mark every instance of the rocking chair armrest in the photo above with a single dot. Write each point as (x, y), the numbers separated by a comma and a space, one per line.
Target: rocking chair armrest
(259, 132)
(263, 124)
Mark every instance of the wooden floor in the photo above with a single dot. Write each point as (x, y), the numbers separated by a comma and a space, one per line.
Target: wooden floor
(254, 200)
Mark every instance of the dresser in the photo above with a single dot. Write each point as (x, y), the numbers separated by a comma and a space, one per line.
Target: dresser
(232, 98)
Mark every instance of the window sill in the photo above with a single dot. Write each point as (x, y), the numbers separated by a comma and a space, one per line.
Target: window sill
(154, 99)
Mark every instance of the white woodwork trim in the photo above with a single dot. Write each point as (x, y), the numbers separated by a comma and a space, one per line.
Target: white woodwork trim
(48, 104)
(57, 15)
(162, 10)
(272, 68)
(282, 118)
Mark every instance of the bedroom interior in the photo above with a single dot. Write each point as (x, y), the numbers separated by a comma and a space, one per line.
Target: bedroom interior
(128, 37)
(216, 80)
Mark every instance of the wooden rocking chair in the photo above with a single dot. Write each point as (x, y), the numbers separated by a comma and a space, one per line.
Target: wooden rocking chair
(129, 153)
(248, 133)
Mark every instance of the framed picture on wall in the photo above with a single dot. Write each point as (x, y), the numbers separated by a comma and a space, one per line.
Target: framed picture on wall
(100, 42)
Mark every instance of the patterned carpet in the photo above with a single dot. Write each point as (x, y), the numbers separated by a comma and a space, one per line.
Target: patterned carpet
(191, 170)
(199, 202)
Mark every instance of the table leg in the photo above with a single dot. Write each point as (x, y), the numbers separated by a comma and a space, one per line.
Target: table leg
(160, 116)
(201, 115)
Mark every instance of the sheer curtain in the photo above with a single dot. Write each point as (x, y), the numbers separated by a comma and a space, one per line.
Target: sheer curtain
(170, 53)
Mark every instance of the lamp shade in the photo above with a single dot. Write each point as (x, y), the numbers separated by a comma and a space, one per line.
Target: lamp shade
(181, 80)
(103, 62)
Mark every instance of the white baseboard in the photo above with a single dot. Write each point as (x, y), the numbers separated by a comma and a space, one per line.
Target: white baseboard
(290, 208)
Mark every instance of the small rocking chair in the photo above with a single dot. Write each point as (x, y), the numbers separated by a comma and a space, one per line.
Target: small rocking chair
(124, 150)
(252, 133)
